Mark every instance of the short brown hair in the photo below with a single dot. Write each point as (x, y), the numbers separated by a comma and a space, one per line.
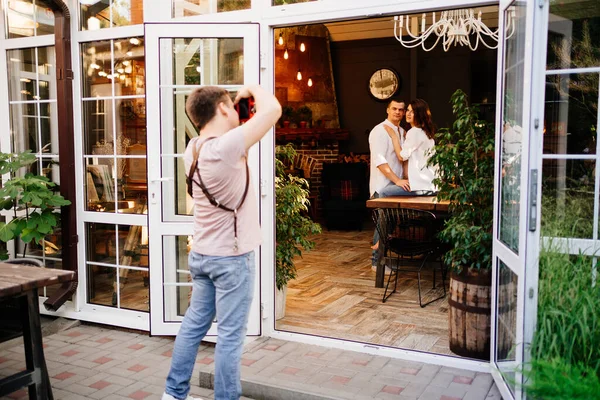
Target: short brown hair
(201, 105)
(394, 100)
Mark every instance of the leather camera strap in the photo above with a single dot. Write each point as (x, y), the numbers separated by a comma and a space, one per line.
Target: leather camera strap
(190, 181)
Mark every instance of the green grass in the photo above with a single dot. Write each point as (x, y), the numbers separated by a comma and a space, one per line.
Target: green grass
(566, 346)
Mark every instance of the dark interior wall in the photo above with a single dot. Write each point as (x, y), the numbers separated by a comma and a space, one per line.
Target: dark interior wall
(438, 75)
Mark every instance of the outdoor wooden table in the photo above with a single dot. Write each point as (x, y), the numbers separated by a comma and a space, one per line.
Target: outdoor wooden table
(425, 203)
(21, 282)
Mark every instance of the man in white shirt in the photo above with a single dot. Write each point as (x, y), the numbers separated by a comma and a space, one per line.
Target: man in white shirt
(387, 172)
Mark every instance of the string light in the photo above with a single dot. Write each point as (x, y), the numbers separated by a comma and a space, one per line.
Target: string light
(299, 75)
(310, 82)
(280, 41)
(286, 55)
(302, 47)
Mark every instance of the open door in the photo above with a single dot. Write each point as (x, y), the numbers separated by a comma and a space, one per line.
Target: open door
(181, 57)
(517, 190)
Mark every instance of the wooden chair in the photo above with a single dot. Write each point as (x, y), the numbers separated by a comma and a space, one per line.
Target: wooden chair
(409, 238)
(307, 164)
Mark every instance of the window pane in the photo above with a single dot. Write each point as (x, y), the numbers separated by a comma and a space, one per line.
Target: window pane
(96, 68)
(101, 243)
(21, 74)
(98, 127)
(571, 114)
(512, 129)
(186, 8)
(573, 34)
(506, 323)
(24, 126)
(46, 73)
(134, 289)
(176, 298)
(568, 198)
(111, 13)
(100, 186)
(27, 18)
(129, 66)
(133, 183)
(101, 285)
(206, 61)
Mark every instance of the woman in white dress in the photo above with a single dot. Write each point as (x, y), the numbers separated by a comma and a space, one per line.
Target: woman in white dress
(418, 148)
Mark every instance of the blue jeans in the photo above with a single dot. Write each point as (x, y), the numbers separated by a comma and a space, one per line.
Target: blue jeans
(223, 286)
(390, 190)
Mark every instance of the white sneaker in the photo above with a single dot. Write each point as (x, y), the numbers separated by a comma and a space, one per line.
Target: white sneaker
(166, 396)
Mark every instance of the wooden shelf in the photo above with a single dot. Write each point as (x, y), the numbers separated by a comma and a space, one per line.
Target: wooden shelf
(310, 134)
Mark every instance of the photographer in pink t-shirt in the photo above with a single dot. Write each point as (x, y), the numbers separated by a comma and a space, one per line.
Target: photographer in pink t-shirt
(226, 232)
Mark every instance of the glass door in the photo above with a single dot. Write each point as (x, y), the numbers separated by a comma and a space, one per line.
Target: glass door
(180, 58)
(517, 193)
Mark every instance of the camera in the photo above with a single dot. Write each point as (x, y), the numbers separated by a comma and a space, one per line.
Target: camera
(245, 108)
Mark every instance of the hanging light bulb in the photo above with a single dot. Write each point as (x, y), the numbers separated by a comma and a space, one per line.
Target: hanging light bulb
(302, 47)
(309, 83)
(286, 55)
(280, 40)
(299, 75)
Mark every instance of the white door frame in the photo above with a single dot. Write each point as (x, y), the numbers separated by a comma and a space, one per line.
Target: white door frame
(160, 120)
(524, 264)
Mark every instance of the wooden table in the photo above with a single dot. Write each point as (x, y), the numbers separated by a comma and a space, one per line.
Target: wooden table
(425, 203)
(20, 284)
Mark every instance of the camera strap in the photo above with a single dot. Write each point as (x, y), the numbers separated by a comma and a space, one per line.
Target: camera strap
(190, 183)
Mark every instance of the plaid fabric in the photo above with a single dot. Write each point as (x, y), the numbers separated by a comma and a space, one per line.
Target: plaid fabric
(345, 190)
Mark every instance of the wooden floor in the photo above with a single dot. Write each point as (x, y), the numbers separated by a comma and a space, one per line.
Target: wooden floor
(335, 296)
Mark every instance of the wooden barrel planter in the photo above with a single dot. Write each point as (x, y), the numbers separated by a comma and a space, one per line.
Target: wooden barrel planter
(469, 316)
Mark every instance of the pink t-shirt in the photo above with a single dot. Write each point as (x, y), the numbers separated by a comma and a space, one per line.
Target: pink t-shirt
(222, 164)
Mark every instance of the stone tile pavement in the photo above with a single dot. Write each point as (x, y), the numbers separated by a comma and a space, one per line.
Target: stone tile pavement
(96, 362)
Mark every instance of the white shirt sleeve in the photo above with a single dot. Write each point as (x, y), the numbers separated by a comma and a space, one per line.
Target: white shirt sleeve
(414, 139)
(378, 146)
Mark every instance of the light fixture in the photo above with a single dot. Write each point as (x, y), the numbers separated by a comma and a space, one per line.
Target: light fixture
(94, 65)
(134, 41)
(121, 70)
(198, 68)
(286, 55)
(455, 27)
(280, 40)
(299, 75)
(93, 24)
(129, 53)
(310, 82)
(302, 47)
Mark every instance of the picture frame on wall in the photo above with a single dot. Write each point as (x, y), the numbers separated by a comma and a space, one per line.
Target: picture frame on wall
(384, 83)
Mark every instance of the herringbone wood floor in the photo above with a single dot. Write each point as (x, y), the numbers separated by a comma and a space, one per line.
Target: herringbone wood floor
(335, 296)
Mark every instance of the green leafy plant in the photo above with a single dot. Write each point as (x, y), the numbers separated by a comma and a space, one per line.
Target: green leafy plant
(565, 350)
(303, 113)
(293, 228)
(32, 200)
(464, 157)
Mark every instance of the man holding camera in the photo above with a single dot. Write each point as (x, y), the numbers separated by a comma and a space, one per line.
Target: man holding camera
(226, 232)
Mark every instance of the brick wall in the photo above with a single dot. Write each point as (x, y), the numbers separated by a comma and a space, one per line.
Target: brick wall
(324, 154)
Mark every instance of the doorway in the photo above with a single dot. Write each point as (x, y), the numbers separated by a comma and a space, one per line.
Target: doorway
(327, 68)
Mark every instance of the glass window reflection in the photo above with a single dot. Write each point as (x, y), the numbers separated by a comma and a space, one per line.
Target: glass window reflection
(99, 14)
(26, 18)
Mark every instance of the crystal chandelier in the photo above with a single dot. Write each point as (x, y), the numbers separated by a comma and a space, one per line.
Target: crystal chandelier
(455, 27)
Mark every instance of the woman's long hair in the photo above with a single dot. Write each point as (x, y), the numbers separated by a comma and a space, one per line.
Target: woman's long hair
(422, 117)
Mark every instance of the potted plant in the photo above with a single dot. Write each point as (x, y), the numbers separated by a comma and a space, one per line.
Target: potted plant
(287, 114)
(293, 228)
(303, 116)
(31, 198)
(464, 157)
